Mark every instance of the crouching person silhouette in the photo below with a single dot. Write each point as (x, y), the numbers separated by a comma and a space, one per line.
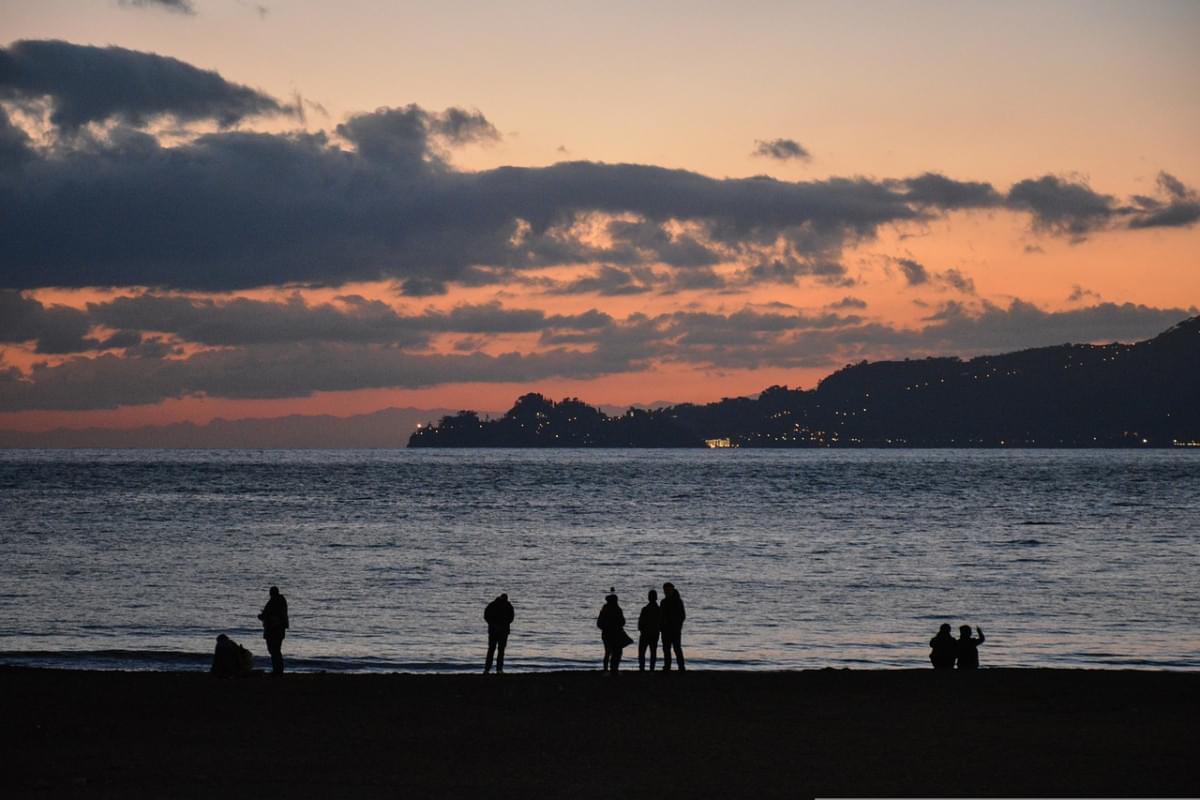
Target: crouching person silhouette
(943, 648)
(499, 615)
(230, 659)
(274, 618)
(968, 648)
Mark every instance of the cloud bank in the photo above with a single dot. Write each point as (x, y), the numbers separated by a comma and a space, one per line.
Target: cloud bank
(92, 195)
(161, 347)
(377, 197)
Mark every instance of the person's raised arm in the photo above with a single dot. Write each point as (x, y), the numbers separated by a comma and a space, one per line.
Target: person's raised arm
(980, 632)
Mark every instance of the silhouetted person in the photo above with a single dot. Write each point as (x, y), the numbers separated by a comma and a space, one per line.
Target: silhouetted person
(611, 623)
(968, 648)
(649, 624)
(673, 616)
(943, 648)
(274, 618)
(499, 616)
(230, 659)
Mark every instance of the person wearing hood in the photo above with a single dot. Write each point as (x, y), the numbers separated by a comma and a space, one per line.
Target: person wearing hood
(499, 615)
(673, 616)
(611, 623)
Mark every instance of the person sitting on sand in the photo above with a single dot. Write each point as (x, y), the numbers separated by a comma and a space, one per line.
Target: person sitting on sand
(274, 618)
(673, 616)
(649, 624)
(230, 659)
(499, 615)
(611, 623)
(943, 648)
(968, 648)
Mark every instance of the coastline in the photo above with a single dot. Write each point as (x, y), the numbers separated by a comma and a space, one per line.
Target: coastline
(1014, 732)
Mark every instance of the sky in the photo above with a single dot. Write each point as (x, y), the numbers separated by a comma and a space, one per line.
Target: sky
(225, 208)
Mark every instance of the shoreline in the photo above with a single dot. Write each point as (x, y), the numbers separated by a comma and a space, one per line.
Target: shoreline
(706, 733)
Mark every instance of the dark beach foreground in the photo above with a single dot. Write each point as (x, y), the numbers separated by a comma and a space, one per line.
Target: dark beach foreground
(1014, 732)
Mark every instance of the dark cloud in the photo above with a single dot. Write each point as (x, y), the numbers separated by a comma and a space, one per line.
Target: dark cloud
(579, 346)
(1079, 294)
(1062, 206)
(94, 84)
(610, 281)
(1072, 208)
(849, 302)
(652, 243)
(780, 150)
(278, 371)
(992, 328)
(378, 199)
(957, 280)
(54, 329)
(406, 137)
(788, 270)
(353, 319)
(914, 272)
(933, 189)
(178, 6)
(1178, 206)
(14, 143)
(237, 210)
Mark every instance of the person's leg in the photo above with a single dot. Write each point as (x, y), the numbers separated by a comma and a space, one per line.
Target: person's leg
(487, 665)
(653, 652)
(275, 648)
(666, 643)
(641, 653)
(615, 662)
(677, 643)
(501, 643)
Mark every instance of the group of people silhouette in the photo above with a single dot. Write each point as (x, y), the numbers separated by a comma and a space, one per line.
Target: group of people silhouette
(946, 652)
(657, 620)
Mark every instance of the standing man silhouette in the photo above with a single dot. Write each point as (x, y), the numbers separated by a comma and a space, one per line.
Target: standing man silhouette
(673, 616)
(274, 618)
(649, 624)
(499, 616)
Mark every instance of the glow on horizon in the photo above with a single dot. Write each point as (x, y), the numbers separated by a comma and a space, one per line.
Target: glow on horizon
(1102, 93)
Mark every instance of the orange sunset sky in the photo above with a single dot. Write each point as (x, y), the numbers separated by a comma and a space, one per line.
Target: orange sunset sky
(229, 208)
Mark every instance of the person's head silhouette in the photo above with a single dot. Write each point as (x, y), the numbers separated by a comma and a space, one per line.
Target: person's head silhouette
(964, 631)
(668, 589)
(274, 591)
(653, 596)
(504, 597)
(945, 628)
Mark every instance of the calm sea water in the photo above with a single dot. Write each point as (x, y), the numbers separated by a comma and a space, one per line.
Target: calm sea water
(785, 559)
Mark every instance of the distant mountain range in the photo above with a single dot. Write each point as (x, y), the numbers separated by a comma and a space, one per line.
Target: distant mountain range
(1145, 394)
(383, 429)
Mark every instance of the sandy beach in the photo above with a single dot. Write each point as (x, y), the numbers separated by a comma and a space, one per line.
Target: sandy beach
(581, 734)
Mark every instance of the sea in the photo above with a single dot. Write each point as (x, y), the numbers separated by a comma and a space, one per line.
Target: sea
(785, 559)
